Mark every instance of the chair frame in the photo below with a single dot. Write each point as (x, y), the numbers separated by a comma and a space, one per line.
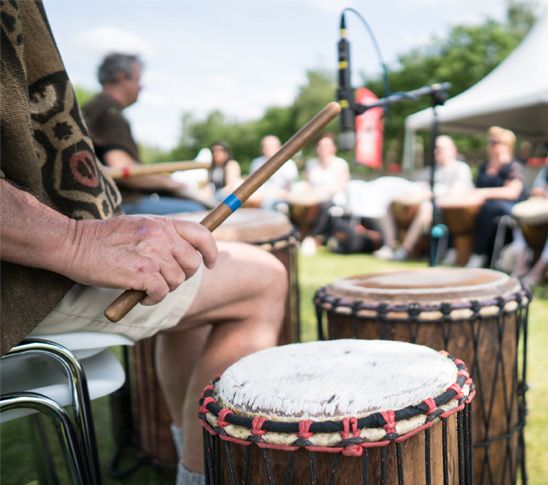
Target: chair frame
(81, 403)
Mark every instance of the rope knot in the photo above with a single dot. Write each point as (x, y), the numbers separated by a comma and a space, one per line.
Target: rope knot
(457, 389)
(430, 405)
(414, 310)
(257, 424)
(221, 420)
(206, 401)
(304, 429)
(390, 421)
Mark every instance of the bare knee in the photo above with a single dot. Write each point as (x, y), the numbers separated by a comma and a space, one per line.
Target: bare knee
(271, 290)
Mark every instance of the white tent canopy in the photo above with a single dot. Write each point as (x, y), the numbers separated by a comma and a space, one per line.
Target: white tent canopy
(514, 95)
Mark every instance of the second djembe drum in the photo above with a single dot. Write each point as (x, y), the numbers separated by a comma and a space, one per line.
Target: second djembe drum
(460, 214)
(341, 412)
(272, 232)
(479, 315)
(532, 217)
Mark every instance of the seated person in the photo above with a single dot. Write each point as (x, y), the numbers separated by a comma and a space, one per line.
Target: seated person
(119, 75)
(328, 175)
(451, 177)
(224, 174)
(500, 184)
(66, 248)
(276, 189)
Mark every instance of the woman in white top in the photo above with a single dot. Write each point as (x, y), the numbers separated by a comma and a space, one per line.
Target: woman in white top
(327, 172)
(327, 175)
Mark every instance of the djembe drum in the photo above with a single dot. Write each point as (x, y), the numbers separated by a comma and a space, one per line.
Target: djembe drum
(460, 214)
(340, 412)
(269, 230)
(405, 209)
(478, 314)
(305, 206)
(532, 217)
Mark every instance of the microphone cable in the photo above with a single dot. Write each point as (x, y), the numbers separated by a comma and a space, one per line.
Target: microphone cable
(384, 76)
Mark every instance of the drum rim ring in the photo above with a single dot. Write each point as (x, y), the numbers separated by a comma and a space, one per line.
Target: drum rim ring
(225, 422)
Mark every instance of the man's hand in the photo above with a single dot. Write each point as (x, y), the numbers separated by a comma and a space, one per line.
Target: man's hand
(152, 254)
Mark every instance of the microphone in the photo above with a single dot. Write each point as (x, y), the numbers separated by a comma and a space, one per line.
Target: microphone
(345, 93)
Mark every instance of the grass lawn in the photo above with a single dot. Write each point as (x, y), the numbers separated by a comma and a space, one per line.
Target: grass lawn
(17, 466)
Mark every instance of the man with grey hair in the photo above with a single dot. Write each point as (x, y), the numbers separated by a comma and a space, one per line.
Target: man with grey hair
(120, 76)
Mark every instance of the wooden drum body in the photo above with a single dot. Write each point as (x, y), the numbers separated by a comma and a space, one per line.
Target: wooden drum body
(404, 211)
(478, 314)
(460, 214)
(305, 206)
(341, 412)
(269, 230)
(532, 217)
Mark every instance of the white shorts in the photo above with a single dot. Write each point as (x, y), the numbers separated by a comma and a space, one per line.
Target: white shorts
(81, 310)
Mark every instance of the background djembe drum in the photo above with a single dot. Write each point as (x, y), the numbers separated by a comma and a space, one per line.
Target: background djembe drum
(404, 210)
(305, 205)
(272, 232)
(460, 214)
(532, 217)
(478, 314)
(357, 415)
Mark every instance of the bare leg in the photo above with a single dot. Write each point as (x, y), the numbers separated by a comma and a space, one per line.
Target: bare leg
(388, 229)
(243, 298)
(175, 355)
(420, 224)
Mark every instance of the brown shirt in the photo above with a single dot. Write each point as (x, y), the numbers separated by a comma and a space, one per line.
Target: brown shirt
(108, 128)
(45, 151)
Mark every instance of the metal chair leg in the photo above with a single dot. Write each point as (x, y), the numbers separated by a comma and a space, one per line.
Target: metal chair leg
(80, 395)
(504, 223)
(60, 419)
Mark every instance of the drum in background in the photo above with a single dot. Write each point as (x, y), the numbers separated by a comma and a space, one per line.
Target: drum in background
(269, 230)
(339, 412)
(404, 209)
(460, 213)
(479, 315)
(305, 205)
(532, 217)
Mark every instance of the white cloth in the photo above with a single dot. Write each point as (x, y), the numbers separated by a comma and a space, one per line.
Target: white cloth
(372, 199)
(282, 179)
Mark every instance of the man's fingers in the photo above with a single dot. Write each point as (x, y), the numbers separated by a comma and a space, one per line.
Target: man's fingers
(188, 258)
(173, 274)
(200, 238)
(156, 290)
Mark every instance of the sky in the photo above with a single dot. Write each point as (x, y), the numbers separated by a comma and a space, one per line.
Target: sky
(238, 56)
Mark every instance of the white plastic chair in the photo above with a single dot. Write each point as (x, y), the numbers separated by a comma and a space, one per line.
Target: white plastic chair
(45, 374)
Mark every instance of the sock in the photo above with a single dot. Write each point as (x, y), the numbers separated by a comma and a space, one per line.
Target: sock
(178, 439)
(186, 477)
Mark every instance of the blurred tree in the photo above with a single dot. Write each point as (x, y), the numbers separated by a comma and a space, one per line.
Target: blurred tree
(83, 95)
(465, 56)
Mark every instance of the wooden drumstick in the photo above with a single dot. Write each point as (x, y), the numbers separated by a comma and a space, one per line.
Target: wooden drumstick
(127, 300)
(154, 168)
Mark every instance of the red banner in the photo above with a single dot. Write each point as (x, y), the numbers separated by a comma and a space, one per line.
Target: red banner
(369, 131)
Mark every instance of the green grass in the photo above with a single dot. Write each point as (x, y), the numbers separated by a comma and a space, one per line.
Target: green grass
(17, 466)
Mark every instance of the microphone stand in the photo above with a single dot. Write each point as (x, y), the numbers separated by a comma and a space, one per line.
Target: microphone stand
(438, 93)
(437, 231)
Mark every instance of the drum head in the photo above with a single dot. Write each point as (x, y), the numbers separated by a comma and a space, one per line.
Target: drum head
(334, 379)
(429, 285)
(248, 225)
(531, 211)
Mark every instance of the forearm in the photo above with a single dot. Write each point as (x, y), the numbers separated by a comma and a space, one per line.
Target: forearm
(33, 234)
(507, 192)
